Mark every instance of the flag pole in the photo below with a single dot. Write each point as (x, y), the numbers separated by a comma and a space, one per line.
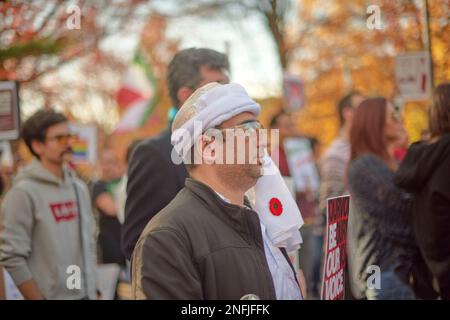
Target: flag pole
(426, 36)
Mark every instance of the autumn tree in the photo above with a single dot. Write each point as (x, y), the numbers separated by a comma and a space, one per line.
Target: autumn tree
(344, 53)
(274, 13)
(39, 36)
(55, 50)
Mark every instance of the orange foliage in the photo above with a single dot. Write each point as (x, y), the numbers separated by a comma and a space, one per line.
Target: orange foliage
(335, 52)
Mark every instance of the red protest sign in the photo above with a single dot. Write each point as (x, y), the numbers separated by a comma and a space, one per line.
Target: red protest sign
(336, 254)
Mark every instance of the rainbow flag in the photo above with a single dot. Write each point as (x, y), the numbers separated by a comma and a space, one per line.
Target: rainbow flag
(80, 149)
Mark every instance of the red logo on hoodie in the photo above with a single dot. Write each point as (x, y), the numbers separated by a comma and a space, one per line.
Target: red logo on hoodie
(64, 211)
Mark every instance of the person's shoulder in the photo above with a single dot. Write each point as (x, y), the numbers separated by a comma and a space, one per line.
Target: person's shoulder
(337, 155)
(338, 148)
(21, 189)
(22, 184)
(162, 138)
(368, 163)
(26, 185)
(367, 159)
(154, 146)
(183, 211)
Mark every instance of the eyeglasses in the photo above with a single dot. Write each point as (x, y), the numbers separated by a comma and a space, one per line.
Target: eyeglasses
(62, 139)
(247, 127)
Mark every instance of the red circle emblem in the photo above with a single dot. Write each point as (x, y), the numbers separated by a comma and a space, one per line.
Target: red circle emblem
(275, 206)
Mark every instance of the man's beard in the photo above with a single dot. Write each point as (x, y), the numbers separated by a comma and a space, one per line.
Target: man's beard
(253, 171)
(238, 176)
(65, 155)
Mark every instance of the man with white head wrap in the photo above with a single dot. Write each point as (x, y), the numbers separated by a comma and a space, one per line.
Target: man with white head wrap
(208, 243)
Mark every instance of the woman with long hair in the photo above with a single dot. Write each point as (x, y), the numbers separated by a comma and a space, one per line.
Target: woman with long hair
(381, 245)
(425, 172)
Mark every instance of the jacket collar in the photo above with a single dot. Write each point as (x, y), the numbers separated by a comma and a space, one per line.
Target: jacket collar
(242, 219)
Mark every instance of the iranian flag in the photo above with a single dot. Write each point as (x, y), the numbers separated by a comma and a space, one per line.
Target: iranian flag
(137, 97)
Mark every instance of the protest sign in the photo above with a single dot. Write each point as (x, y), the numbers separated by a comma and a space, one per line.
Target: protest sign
(9, 110)
(336, 249)
(301, 164)
(413, 76)
(293, 92)
(84, 145)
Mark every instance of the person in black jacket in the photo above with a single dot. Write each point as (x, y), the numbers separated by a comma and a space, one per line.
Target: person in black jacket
(425, 172)
(153, 179)
(380, 235)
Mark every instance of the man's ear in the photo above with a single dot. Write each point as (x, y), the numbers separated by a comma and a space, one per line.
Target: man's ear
(37, 147)
(207, 149)
(198, 151)
(183, 94)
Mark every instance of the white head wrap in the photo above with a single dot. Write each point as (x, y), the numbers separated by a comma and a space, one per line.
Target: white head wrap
(210, 105)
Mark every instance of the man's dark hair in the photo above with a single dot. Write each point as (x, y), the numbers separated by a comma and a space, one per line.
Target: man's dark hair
(278, 115)
(35, 128)
(184, 69)
(439, 112)
(344, 103)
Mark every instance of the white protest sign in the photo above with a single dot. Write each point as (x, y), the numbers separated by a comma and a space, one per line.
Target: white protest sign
(413, 76)
(301, 164)
(9, 110)
(84, 146)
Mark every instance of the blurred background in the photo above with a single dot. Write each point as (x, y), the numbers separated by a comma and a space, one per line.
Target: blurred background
(103, 64)
(93, 60)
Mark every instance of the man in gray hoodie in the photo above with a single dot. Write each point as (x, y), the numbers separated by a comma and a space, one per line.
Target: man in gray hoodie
(47, 232)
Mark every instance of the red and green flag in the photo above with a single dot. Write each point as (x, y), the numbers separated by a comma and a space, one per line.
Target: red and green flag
(137, 96)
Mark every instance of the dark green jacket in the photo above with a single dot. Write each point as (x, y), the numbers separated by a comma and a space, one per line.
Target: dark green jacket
(200, 247)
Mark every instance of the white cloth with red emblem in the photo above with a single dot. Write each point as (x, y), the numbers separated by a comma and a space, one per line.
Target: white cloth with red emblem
(277, 208)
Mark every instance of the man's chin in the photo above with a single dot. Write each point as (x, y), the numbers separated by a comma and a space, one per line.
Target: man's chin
(255, 171)
(66, 157)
